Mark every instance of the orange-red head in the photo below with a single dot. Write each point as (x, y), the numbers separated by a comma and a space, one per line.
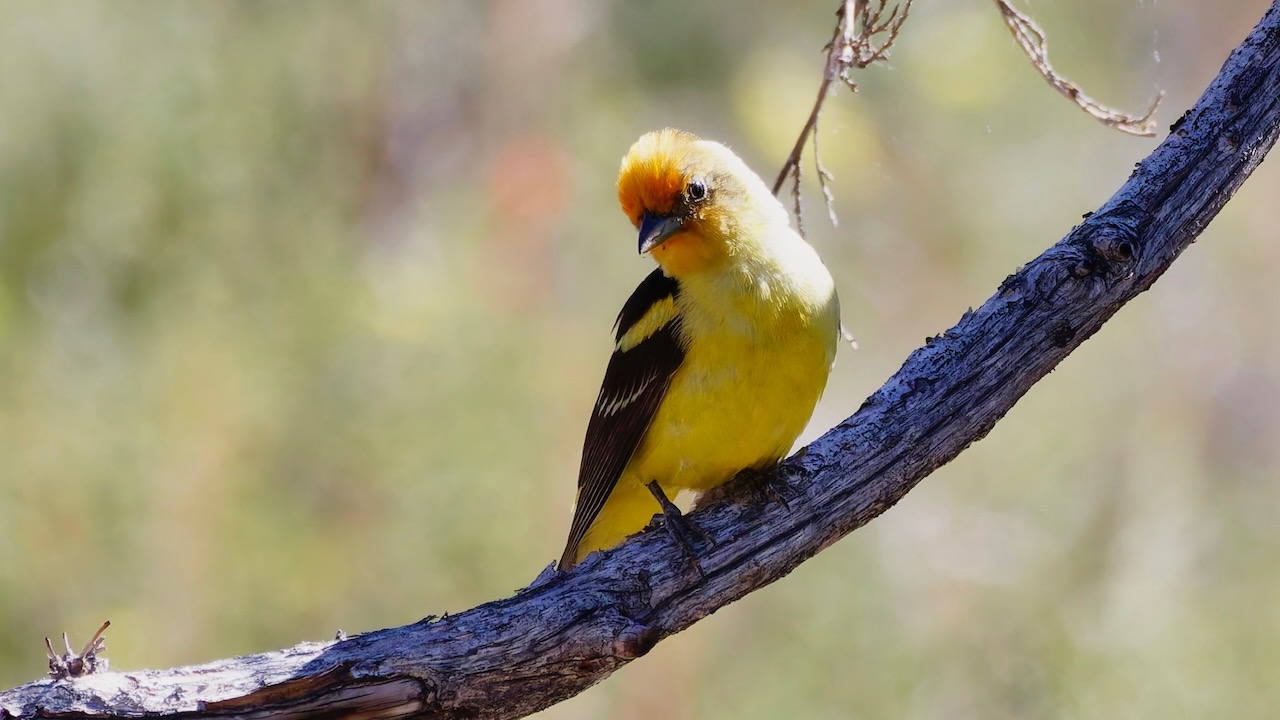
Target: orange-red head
(693, 201)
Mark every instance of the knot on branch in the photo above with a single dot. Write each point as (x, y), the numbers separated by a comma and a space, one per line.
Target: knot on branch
(1107, 244)
(635, 641)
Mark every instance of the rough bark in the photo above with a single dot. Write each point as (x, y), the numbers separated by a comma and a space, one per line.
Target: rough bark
(567, 632)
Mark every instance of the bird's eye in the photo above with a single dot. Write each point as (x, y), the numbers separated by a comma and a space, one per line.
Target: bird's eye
(696, 191)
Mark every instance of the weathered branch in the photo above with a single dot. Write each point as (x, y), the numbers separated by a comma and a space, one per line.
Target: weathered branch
(569, 631)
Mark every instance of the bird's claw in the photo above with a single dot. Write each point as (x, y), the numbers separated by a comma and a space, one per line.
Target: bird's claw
(680, 528)
(761, 484)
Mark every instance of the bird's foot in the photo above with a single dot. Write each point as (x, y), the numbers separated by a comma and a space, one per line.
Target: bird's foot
(763, 486)
(86, 662)
(679, 527)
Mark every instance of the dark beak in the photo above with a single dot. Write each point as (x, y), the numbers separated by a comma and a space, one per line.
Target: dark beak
(654, 229)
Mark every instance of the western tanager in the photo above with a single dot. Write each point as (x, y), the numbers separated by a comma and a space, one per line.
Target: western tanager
(721, 353)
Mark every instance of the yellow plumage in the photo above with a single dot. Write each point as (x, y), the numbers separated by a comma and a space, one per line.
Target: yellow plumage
(721, 358)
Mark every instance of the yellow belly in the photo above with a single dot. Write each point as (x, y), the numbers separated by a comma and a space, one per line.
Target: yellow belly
(736, 402)
(739, 409)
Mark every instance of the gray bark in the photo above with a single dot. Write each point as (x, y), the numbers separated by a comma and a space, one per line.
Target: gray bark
(567, 632)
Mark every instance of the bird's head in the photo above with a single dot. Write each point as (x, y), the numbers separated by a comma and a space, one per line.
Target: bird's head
(694, 202)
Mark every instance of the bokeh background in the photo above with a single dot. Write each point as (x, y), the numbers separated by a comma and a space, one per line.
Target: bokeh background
(303, 310)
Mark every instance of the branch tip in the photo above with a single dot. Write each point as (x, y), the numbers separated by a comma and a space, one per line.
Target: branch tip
(861, 36)
(1031, 38)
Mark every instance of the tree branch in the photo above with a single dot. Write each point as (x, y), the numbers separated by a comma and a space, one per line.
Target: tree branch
(567, 632)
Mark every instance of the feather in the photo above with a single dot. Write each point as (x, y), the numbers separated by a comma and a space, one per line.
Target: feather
(649, 351)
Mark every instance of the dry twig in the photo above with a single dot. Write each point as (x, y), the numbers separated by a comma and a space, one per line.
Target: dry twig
(72, 664)
(862, 36)
(1032, 41)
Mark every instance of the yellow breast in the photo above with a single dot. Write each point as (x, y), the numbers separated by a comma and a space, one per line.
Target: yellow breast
(757, 362)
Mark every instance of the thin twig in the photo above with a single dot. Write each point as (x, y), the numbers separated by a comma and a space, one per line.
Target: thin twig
(798, 198)
(862, 36)
(1032, 40)
(824, 180)
(792, 164)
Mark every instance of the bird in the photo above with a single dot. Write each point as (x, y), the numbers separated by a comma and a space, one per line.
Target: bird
(721, 353)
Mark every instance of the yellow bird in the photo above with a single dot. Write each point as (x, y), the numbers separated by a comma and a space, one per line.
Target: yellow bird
(721, 353)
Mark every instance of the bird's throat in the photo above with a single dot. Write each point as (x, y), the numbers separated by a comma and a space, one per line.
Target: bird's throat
(688, 253)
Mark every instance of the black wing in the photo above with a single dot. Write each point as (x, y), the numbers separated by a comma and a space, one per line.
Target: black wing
(634, 384)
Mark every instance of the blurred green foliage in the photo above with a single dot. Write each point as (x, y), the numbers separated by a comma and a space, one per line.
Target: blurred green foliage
(303, 309)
